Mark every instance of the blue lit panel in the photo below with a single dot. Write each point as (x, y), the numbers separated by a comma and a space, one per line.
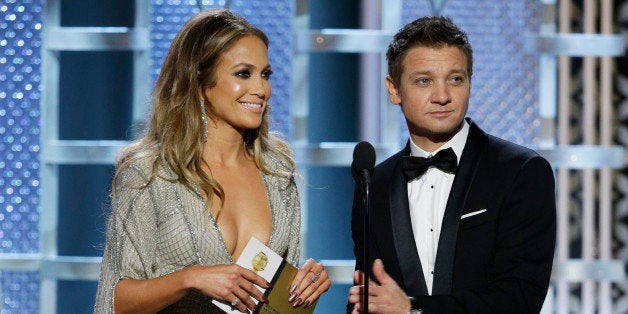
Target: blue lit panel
(20, 292)
(19, 126)
(273, 17)
(20, 91)
(504, 97)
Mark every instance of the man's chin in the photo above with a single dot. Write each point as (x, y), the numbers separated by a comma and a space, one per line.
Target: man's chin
(437, 134)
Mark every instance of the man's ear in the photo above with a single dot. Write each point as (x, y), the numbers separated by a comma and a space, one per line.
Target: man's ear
(470, 85)
(393, 91)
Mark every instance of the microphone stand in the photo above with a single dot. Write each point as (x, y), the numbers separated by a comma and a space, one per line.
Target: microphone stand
(365, 200)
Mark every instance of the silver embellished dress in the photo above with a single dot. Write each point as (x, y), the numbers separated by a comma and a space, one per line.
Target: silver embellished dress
(160, 226)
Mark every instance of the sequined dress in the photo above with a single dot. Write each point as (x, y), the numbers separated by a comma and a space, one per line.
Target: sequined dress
(160, 226)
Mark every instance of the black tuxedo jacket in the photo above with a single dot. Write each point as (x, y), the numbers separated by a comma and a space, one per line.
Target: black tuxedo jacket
(498, 261)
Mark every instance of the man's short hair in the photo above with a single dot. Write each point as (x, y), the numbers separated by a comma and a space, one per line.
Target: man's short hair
(431, 32)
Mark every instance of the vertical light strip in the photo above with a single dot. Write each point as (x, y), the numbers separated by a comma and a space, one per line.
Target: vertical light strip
(606, 123)
(300, 111)
(370, 84)
(547, 80)
(588, 175)
(389, 115)
(141, 69)
(564, 113)
(299, 106)
(49, 173)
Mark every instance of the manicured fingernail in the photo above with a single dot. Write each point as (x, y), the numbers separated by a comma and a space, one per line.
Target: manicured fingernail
(297, 303)
(292, 296)
(294, 287)
(307, 302)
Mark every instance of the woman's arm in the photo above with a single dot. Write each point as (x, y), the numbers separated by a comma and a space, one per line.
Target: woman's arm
(149, 295)
(222, 282)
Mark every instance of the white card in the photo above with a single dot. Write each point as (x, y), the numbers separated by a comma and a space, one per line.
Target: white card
(267, 269)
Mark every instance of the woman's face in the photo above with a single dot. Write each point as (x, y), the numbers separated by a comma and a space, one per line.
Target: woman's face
(242, 89)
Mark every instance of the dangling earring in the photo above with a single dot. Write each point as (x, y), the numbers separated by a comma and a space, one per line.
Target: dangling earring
(204, 119)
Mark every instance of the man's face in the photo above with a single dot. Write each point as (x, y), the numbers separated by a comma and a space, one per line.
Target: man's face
(433, 92)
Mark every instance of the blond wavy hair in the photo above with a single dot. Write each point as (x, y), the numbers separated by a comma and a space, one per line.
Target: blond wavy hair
(174, 136)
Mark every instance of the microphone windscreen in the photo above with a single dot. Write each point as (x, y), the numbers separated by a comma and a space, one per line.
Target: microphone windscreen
(363, 157)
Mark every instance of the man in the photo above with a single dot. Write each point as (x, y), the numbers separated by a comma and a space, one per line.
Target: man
(475, 230)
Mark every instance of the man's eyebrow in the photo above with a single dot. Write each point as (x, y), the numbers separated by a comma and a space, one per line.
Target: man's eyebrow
(428, 72)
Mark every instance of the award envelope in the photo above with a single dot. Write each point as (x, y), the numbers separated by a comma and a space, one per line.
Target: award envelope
(265, 262)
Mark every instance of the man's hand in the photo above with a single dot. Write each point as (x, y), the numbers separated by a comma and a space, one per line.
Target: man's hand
(384, 298)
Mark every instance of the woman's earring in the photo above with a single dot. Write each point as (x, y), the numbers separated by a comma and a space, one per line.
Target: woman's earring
(204, 119)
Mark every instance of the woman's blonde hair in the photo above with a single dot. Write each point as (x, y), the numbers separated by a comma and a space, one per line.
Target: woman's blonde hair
(175, 133)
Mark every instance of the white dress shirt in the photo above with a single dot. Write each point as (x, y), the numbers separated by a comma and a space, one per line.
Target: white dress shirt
(427, 197)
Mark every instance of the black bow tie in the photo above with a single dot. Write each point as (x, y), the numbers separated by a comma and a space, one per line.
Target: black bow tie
(414, 167)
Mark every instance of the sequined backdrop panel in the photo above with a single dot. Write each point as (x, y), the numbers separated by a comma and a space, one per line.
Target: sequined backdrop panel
(20, 91)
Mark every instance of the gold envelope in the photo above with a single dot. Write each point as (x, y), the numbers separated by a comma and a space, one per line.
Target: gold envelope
(280, 293)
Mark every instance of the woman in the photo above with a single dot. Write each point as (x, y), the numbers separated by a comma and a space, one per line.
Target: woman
(206, 177)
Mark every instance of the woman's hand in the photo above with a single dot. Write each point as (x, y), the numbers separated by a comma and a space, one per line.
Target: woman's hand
(232, 283)
(309, 283)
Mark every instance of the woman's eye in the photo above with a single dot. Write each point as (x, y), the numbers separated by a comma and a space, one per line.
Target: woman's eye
(267, 74)
(244, 74)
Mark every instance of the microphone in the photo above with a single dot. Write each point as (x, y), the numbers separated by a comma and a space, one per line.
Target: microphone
(362, 169)
(363, 162)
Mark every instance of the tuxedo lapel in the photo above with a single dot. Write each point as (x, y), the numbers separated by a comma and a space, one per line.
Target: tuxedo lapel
(443, 269)
(405, 246)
